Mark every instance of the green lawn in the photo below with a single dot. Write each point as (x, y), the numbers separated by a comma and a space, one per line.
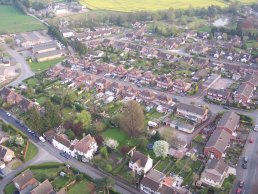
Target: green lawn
(32, 152)
(42, 99)
(13, 20)
(153, 5)
(116, 134)
(41, 66)
(9, 189)
(81, 187)
(60, 182)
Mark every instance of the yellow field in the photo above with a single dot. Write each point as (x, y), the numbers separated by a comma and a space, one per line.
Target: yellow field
(151, 5)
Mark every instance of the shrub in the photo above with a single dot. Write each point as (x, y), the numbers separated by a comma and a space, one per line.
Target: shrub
(108, 168)
(111, 143)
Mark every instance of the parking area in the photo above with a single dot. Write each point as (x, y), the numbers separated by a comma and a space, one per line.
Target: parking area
(222, 83)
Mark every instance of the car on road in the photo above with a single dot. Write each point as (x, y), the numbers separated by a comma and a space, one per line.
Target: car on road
(239, 191)
(8, 114)
(241, 184)
(226, 107)
(65, 155)
(245, 159)
(42, 139)
(256, 128)
(244, 165)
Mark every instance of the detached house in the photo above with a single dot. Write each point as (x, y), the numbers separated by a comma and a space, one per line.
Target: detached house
(164, 82)
(43, 188)
(25, 182)
(10, 96)
(62, 142)
(191, 112)
(6, 155)
(215, 173)
(229, 122)
(86, 147)
(217, 144)
(220, 95)
(140, 163)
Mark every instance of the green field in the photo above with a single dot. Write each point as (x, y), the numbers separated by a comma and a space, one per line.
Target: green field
(13, 20)
(41, 66)
(152, 5)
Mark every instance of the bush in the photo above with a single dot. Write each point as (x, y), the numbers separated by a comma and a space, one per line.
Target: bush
(108, 168)
(78, 177)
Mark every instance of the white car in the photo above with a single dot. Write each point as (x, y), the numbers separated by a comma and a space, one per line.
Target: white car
(256, 128)
(42, 139)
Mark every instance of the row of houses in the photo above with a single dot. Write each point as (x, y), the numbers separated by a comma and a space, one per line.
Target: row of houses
(243, 95)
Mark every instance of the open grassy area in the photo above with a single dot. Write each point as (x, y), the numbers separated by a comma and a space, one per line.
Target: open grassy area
(13, 20)
(81, 187)
(116, 134)
(152, 5)
(32, 152)
(41, 66)
(9, 189)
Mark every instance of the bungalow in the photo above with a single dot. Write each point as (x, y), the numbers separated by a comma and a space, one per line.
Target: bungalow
(147, 78)
(179, 86)
(220, 95)
(6, 155)
(40, 57)
(243, 94)
(25, 182)
(86, 147)
(217, 144)
(215, 173)
(120, 71)
(164, 82)
(192, 112)
(140, 163)
(134, 75)
(229, 122)
(43, 188)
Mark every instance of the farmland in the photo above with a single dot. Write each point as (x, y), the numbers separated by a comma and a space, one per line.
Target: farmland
(13, 20)
(152, 5)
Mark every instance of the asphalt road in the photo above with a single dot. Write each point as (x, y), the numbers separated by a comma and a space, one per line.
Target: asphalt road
(53, 152)
(25, 68)
(249, 175)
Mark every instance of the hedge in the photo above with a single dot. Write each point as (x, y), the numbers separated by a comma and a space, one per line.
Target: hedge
(47, 165)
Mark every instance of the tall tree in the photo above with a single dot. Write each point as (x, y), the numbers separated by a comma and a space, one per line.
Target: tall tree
(84, 117)
(34, 120)
(132, 119)
(52, 117)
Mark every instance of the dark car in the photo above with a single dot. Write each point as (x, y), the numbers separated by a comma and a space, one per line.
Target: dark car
(244, 165)
(65, 155)
(241, 184)
(245, 159)
(226, 107)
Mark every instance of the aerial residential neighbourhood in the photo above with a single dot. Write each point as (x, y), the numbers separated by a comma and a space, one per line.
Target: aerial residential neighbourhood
(126, 96)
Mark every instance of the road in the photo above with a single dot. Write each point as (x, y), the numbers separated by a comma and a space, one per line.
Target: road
(49, 152)
(249, 175)
(25, 68)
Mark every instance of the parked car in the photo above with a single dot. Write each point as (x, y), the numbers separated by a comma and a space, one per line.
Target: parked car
(226, 107)
(241, 184)
(245, 159)
(65, 155)
(42, 139)
(244, 165)
(8, 114)
(239, 191)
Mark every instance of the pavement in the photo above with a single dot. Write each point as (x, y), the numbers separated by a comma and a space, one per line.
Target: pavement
(25, 68)
(48, 153)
